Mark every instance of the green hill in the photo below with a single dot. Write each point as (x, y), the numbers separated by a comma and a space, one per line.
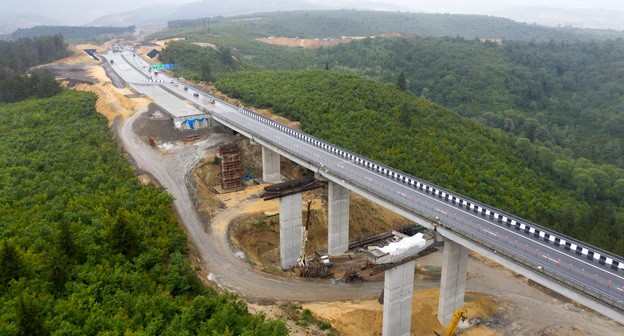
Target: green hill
(560, 94)
(336, 23)
(85, 249)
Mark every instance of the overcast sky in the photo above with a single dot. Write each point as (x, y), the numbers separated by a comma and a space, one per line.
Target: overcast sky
(82, 11)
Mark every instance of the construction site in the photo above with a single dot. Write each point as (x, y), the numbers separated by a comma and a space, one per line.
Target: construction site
(497, 302)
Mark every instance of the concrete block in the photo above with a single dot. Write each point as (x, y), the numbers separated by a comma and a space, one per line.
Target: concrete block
(290, 230)
(398, 292)
(270, 166)
(453, 280)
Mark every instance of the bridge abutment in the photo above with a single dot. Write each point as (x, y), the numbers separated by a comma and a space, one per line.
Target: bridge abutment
(453, 280)
(270, 166)
(338, 210)
(290, 215)
(397, 305)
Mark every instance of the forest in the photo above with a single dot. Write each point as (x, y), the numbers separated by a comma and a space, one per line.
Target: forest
(72, 32)
(85, 249)
(563, 95)
(19, 55)
(16, 57)
(337, 23)
(381, 121)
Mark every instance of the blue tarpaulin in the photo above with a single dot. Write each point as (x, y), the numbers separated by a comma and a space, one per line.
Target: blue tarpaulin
(191, 122)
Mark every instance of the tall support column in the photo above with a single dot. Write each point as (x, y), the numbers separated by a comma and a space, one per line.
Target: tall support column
(270, 166)
(397, 305)
(338, 204)
(453, 280)
(290, 229)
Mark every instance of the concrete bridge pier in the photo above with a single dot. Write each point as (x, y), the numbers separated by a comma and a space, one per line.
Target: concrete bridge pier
(290, 215)
(338, 209)
(397, 305)
(270, 166)
(453, 280)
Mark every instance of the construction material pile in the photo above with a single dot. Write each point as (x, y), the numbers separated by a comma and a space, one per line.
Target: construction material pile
(352, 275)
(315, 270)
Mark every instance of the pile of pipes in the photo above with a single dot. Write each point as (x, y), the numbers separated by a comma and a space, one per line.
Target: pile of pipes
(352, 275)
(315, 270)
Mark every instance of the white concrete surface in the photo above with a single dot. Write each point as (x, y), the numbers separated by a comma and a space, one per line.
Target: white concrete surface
(453, 280)
(338, 212)
(290, 229)
(397, 307)
(270, 166)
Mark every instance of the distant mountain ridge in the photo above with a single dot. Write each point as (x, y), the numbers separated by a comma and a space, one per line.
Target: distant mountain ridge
(137, 12)
(10, 23)
(158, 15)
(575, 17)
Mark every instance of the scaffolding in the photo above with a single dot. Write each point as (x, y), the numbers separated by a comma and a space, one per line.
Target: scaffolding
(230, 166)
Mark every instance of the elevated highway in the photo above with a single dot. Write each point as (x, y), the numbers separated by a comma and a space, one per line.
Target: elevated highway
(582, 272)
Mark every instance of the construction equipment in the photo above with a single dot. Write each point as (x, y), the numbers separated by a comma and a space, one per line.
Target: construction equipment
(460, 313)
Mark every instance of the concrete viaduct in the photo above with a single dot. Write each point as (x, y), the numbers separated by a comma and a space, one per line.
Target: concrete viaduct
(398, 286)
(570, 267)
(399, 281)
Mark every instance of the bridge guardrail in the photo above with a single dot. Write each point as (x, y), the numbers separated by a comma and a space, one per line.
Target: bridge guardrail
(325, 145)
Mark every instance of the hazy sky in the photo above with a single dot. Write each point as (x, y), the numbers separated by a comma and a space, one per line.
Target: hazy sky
(487, 5)
(82, 11)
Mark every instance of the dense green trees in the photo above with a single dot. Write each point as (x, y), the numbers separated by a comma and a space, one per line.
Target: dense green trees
(16, 57)
(337, 23)
(39, 84)
(74, 32)
(200, 63)
(573, 196)
(84, 248)
(19, 55)
(556, 94)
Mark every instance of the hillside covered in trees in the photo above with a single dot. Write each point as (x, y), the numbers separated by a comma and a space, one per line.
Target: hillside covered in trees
(394, 127)
(16, 57)
(563, 93)
(81, 33)
(85, 249)
(559, 94)
(337, 23)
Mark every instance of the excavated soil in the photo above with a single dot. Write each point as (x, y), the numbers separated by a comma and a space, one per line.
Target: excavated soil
(257, 234)
(318, 43)
(364, 318)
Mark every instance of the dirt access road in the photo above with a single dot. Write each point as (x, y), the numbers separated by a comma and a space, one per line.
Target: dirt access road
(172, 171)
(521, 309)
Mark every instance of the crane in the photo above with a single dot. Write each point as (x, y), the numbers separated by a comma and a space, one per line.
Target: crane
(304, 238)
